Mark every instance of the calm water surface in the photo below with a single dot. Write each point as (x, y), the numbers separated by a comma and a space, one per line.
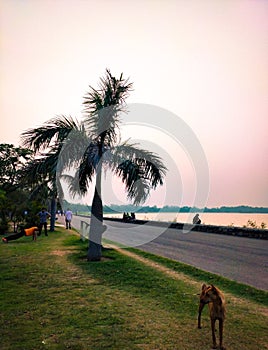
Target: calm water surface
(221, 219)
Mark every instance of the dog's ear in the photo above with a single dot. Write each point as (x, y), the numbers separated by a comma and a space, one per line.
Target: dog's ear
(204, 286)
(214, 289)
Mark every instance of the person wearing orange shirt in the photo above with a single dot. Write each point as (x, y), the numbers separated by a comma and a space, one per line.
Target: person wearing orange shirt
(32, 231)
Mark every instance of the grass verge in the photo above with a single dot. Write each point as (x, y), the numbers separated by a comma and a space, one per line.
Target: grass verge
(52, 298)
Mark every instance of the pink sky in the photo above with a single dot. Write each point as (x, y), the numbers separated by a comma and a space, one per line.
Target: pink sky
(205, 61)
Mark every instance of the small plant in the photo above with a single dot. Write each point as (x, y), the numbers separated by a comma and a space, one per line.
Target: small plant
(252, 224)
(263, 225)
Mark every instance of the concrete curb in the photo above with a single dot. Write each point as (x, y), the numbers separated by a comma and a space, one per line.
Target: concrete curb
(224, 230)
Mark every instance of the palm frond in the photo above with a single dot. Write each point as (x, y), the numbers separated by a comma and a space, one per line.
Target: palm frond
(73, 149)
(79, 183)
(139, 170)
(88, 166)
(103, 107)
(73, 184)
(53, 131)
(42, 169)
(33, 172)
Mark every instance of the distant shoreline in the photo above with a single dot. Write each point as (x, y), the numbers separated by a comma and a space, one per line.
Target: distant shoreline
(173, 209)
(167, 209)
(114, 208)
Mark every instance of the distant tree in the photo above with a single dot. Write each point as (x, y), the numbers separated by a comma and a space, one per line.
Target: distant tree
(12, 161)
(2, 195)
(12, 193)
(3, 218)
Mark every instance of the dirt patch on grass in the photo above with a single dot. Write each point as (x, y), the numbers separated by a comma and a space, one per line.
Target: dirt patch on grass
(74, 273)
(61, 252)
(159, 267)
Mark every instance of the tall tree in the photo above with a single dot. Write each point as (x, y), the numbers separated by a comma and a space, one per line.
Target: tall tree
(95, 145)
(47, 142)
(13, 197)
(12, 161)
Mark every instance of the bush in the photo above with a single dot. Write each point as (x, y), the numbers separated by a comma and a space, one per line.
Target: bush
(3, 227)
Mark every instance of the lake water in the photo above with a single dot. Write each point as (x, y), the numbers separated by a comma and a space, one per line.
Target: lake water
(219, 219)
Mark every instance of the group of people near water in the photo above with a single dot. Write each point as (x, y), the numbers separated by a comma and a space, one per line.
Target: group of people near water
(129, 217)
(35, 231)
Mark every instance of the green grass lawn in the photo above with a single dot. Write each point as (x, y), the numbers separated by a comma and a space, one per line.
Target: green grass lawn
(52, 298)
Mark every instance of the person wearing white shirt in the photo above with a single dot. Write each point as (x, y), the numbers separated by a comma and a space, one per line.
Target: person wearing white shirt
(68, 218)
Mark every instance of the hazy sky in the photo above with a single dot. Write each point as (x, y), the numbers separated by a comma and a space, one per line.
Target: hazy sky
(204, 61)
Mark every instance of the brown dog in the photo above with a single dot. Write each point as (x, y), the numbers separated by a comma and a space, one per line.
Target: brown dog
(214, 298)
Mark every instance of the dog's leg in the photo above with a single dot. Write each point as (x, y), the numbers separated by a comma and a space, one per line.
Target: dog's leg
(213, 333)
(201, 307)
(221, 334)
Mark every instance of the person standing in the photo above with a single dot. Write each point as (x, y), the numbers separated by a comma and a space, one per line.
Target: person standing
(68, 218)
(43, 216)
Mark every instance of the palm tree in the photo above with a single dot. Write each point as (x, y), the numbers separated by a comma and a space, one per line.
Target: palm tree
(140, 170)
(47, 142)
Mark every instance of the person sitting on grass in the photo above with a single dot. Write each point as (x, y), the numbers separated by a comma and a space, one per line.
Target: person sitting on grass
(32, 231)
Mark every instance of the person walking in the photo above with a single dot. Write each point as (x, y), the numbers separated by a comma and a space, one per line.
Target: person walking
(31, 231)
(43, 216)
(68, 218)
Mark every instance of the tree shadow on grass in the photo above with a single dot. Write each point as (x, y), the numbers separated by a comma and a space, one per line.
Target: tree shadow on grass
(128, 275)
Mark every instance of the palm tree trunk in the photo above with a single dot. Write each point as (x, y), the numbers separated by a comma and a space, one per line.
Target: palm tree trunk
(96, 223)
(53, 214)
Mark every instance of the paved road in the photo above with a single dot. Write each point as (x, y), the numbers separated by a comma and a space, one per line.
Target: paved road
(241, 259)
